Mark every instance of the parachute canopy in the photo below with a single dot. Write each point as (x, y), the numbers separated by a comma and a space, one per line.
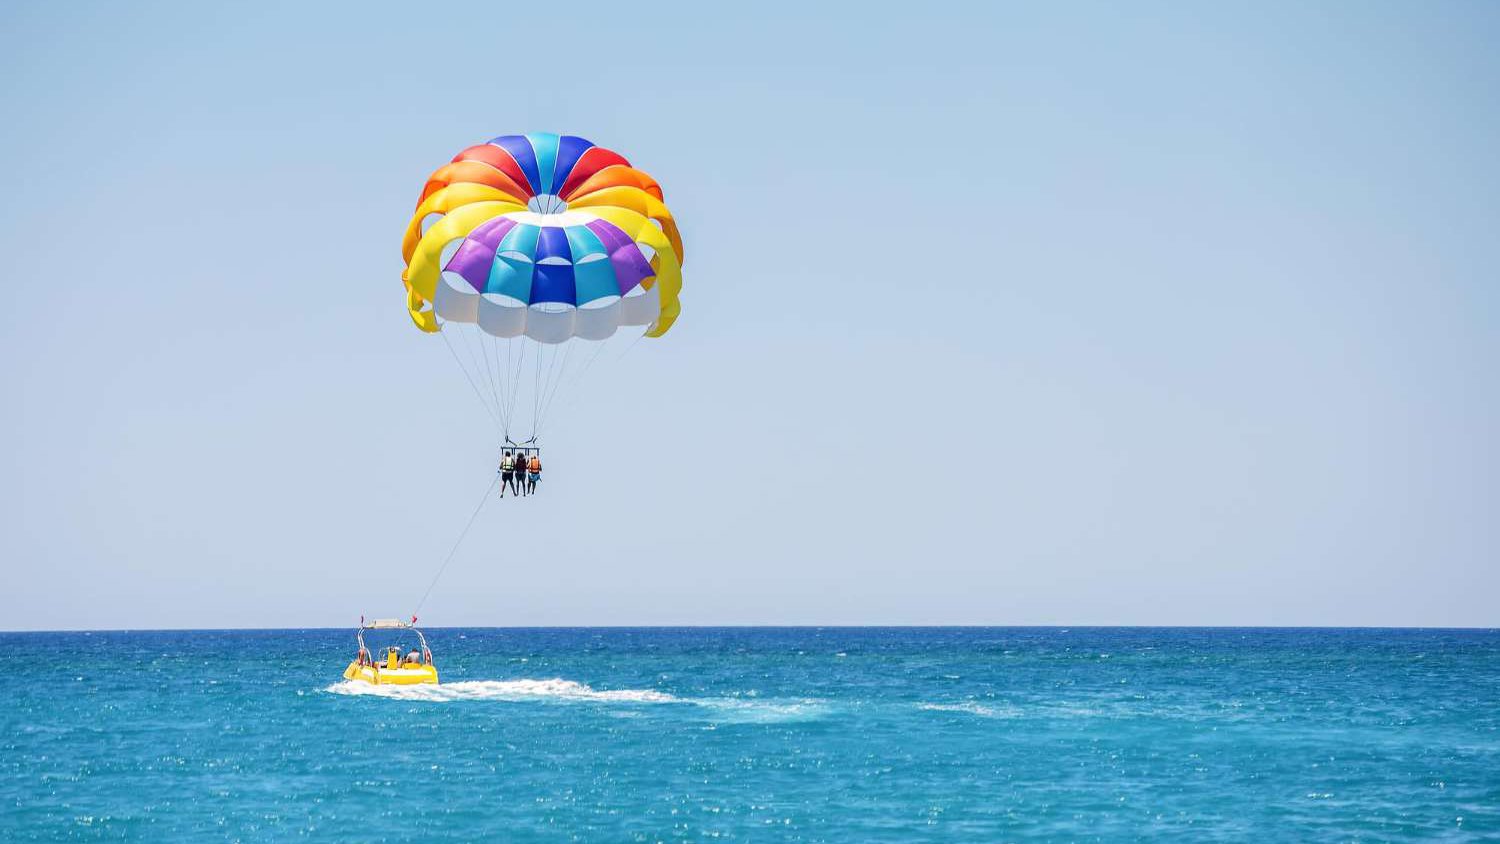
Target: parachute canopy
(544, 236)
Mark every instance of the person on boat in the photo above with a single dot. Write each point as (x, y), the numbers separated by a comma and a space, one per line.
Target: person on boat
(414, 658)
(533, 471)
(507, 473)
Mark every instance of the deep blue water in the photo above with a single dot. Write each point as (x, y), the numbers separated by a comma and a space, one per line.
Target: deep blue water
(762, 735)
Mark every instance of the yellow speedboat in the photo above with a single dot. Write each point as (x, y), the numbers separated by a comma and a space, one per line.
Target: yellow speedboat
(397, 666)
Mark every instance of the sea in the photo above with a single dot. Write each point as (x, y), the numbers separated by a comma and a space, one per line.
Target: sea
(757, 735)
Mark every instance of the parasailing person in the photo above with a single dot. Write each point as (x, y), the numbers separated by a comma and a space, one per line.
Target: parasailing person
(533, 471)
(507, 473)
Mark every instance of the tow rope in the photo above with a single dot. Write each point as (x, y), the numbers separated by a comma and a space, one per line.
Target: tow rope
(454, 550)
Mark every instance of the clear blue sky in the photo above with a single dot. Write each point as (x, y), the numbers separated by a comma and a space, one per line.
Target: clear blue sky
(994, 314)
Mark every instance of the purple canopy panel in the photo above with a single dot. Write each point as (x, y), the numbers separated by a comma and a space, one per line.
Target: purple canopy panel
(492, 231)
(477, 252)
(631, 267)
(609, 234)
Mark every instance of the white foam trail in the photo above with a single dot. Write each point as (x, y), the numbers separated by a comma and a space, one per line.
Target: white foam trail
(735, 710)
(728, 709)
(557, 688)
(971, 708)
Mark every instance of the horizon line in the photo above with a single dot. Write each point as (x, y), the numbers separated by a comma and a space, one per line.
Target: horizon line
(663, 627)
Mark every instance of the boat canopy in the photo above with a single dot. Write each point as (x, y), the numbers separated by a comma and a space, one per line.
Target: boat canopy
(391, 624)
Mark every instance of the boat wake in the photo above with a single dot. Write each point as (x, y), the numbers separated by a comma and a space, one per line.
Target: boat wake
(728, 709)
(972, 708)
(514, 690)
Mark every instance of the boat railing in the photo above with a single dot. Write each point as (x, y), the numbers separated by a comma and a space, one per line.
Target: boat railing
(388, 624)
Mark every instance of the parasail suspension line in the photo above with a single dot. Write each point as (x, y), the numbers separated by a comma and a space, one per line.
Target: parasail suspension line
(562, 375)
(578, 378)
(465, 371)
(536, 385)
(494, 384)
(478, 374)
(638, 339)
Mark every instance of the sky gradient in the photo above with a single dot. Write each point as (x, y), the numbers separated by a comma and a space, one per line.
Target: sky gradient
(993, 314)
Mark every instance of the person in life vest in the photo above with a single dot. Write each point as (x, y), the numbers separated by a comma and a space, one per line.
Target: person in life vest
(533, 471)
(507, 473)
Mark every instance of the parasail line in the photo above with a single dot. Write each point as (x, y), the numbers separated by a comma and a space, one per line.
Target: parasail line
(493, 384)
(562, 377)
(473, 358)
(573, 386)
(454, 550)
(501, 379)
(536, 384)
(469, 351)
(632, 344)
(507, 380)
(515, 385)
(494, 389)
(504, 373)
(549, 387)
(472, 385)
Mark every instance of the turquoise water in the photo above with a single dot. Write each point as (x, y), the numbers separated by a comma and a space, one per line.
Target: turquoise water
(762, 735)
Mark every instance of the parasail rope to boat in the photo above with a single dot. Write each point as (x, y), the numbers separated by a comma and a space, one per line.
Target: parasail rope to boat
(454, 550)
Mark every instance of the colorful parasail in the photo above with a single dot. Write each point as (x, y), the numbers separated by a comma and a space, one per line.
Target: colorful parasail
(528, 247)
(542, 236)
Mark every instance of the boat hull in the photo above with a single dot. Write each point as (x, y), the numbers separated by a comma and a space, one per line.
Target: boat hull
(410, 675)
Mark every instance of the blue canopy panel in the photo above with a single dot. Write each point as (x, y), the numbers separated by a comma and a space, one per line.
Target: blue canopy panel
(553, 244)
(570, 148)
(523, 239)
(512, 273)
(583, 243)
(553, 283)
(554, 268)
(594, 278)
(593, 273)
(544, 144)
(511, 276)
(520, 149)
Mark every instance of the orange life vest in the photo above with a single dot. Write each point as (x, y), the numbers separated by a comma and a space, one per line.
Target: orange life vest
(534, 464)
